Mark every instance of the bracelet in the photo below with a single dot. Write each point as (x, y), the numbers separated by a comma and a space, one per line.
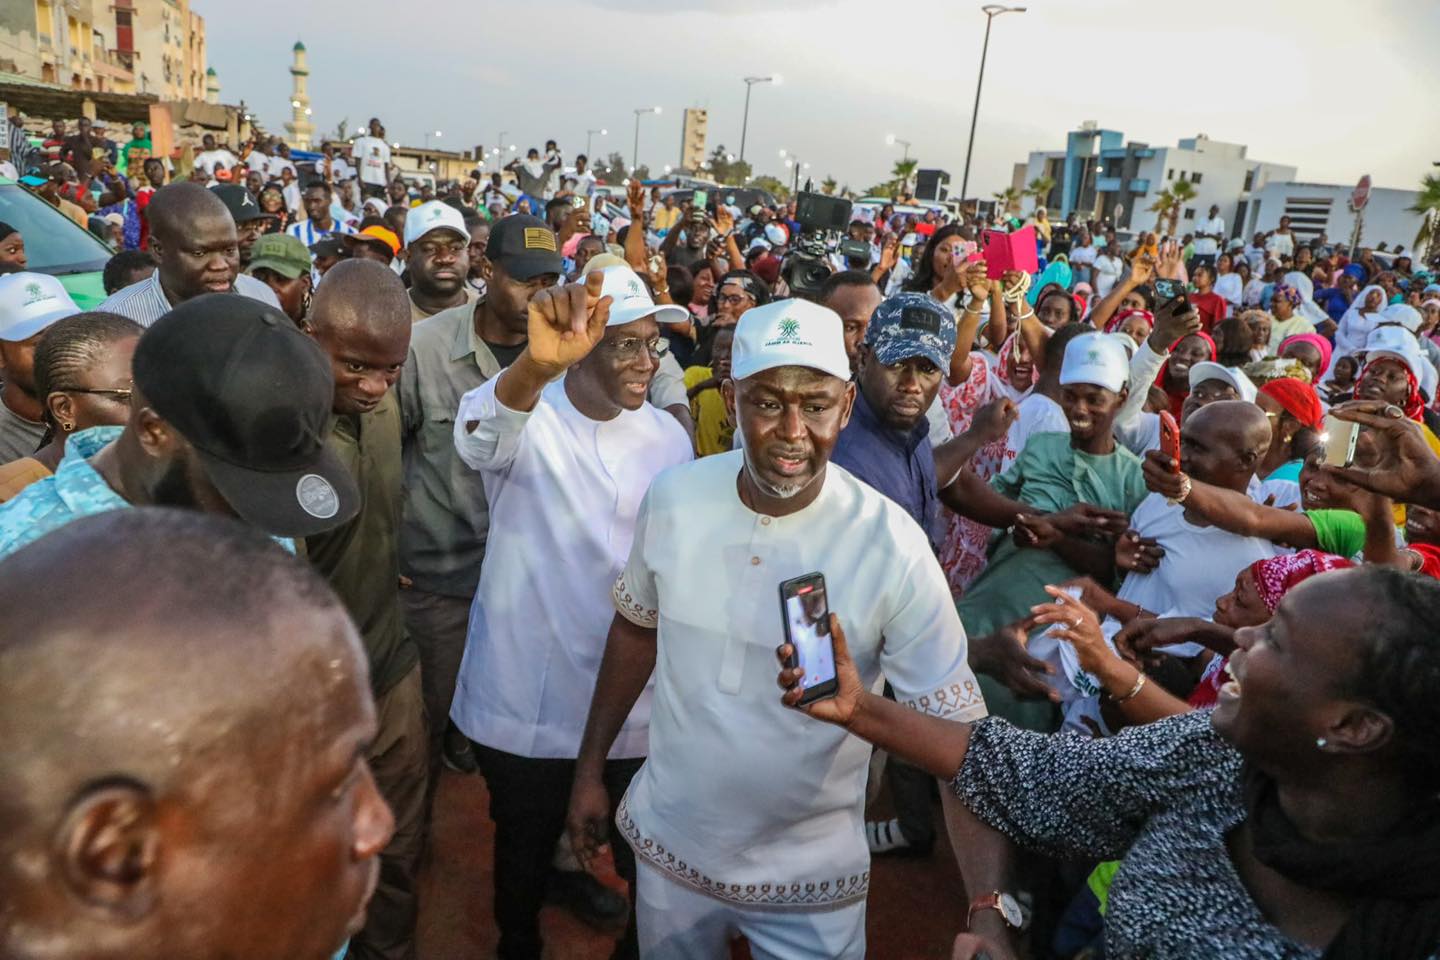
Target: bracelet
(1185, 488)
(1025, 316)
(1134, 691)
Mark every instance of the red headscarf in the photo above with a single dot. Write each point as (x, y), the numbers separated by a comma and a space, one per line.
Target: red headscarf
(1122, 315)
(1274, 578)
(1298, 399)
(1414, 402)
(1177, 398)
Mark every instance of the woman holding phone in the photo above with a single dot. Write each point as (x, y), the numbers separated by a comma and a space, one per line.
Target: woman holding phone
(1298, 819)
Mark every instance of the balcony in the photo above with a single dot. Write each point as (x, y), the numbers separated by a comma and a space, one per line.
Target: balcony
(1107, 184)
(1140, 185)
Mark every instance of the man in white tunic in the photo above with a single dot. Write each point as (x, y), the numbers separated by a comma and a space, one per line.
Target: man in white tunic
(566, 446)
(747, 819)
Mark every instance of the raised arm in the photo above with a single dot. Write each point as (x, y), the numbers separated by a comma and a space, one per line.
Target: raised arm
(990, 423)
(1228, 509)
(967, 322)
(1142, 271)
(565, 324)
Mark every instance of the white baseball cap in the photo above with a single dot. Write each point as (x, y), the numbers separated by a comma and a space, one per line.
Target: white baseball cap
(30, 303)
(434, 215)
(632, 300)
(1096, 359)
(789, 333)
(1210, 370)
(1405, 315)
(1388, 341)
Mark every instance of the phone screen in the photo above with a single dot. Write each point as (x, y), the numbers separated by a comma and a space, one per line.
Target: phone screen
(701, 200)
(1340, 437)
(807, 629)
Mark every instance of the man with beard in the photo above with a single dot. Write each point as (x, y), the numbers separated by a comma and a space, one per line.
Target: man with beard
(228, 415)
(360, 319)
(184, 771)
(437, 254)
(567, 445)
(197, 251)
(743, 822)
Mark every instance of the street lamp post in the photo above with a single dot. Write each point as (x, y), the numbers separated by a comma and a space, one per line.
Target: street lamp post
(891, 140)
(792, 162)
(991, 11)
(591, 133)
(428, 134)
(635, 151)
(745, 121)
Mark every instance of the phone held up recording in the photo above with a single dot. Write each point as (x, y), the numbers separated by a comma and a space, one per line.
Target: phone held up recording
(1167, 291)
(805, 612)
(1170, 439)
(1339, 438)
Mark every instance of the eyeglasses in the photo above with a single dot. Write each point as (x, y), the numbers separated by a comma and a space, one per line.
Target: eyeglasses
(628, 350)
(118, 395)
(734, 299)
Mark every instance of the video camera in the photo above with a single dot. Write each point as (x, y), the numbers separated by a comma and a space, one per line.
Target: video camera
(823, 221)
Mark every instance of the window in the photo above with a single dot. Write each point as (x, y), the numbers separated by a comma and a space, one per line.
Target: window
(1170, 174)
(1195, 177)
(1189, 213)
(1249, 181)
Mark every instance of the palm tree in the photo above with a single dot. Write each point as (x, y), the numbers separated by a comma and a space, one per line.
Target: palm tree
(828, 185)
(1169, 202)
(1039, 189)
(904, 170)
(1009, 199)
(1427, 204)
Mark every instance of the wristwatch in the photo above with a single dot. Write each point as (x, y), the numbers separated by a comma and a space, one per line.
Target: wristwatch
(1006, 905)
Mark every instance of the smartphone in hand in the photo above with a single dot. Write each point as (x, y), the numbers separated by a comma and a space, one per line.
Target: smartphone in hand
(1170, 439)
(805, 612)
(1339, 438)
(1167, 291)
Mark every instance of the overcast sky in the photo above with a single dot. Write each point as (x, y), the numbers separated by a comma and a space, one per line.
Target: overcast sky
(1336, 92)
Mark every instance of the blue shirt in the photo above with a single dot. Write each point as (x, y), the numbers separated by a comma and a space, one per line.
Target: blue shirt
(75, 491)
(899, 465)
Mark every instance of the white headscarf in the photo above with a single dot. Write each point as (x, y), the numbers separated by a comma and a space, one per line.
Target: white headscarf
(1308, 308)
(1356, 325)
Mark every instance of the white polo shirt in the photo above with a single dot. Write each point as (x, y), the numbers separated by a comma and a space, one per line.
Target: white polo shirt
(563, 492)
(741, 797)
(1204, 246)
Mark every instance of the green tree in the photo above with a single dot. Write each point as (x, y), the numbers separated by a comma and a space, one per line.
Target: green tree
(903, 171)
(829, 185)
(1427, 204)
(641, 172)
(1039, 189)
(1009, 199)
(723, 169)
(342, 130)
(612, 169)
(780, 190)
(1169, 202)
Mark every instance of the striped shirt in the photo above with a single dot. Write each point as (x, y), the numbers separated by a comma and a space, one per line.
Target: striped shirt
(308, 233)
(145, 301)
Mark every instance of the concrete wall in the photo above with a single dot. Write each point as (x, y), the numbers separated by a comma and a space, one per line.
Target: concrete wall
(1316, 206)
(1222, 181)
(18, 43)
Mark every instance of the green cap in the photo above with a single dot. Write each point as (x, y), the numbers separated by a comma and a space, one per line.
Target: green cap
(280, 252)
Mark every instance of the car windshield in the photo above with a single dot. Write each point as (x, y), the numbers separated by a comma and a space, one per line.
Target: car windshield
(53, 243)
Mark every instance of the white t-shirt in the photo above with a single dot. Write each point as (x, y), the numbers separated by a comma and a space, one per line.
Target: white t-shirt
(372, 157)
(1281, 244)
(1204, 246)
(210, 159)
(1199, 565)
(1082, 256)
(1107, 273)
(741, 797)
(276, 165)
(563, 491)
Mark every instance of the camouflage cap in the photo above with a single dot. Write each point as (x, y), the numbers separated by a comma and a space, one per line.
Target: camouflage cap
(912, 325)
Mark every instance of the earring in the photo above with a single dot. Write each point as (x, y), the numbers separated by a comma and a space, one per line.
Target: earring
(67, 427)
(1321, 743)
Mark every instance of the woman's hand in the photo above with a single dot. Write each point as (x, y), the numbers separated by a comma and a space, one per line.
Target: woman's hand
(1136, 553)
(1138, 639)
(1093, 595)
(839, 709)
(1078, 625)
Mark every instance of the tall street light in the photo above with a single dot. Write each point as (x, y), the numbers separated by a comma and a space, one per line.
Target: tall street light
(891, 140)
(428, 134)
(500, 142)
(991, 11)
(792, 162)
(591, 133)
(745, 122)
(635, 152)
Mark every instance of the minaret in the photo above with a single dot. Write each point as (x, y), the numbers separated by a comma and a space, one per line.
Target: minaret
(212, 86)
(300, 128)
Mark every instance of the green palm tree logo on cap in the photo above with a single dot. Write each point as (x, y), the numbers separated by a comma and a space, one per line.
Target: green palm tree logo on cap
(789, 327)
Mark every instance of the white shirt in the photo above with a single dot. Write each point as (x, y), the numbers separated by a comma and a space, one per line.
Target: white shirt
(145, 302)
(291, 193)
(563, 492)
(1082, 255)
(1281, 244)
(276, 164)
(372, 156)
(1205, 246)
(739, 789)
(208, 160)
(1107, 272)
(1199, 566)
(584, 183)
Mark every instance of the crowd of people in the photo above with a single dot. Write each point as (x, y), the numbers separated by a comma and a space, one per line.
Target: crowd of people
(348, 487)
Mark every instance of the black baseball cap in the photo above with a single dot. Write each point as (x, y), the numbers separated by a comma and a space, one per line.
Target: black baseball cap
(252, 395)
(525, 246)
(328, 246)
(240, 202)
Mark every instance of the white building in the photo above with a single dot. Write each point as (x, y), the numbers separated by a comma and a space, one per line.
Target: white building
(1316, 207)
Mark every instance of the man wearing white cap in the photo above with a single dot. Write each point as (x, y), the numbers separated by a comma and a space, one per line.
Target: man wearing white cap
(566, 445)
(29, 304)
(437, 254)
(746, 820)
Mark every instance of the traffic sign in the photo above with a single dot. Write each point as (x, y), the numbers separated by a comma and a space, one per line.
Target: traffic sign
(1361, 194)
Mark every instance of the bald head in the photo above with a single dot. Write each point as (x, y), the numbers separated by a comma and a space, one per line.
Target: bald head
(170, 729)
(361, 316)
(176, 206)
(1222, 442)
(363, 295)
